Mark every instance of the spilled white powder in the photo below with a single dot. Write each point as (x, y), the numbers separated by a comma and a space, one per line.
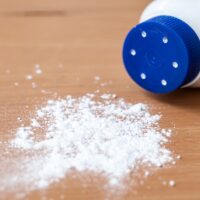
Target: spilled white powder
(108, 96)
(97, 78)
(38, 69)
(29, 77)
(107, 137)
(172, 183)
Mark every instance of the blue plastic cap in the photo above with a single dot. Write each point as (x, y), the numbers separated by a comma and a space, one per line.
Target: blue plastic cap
(162, 54)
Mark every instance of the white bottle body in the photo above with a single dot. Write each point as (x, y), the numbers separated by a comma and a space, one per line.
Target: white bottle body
(186, 10)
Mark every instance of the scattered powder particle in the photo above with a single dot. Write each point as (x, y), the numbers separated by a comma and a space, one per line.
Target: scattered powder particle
(97, 78)
(38, 69)
(40, 113)
(19, 119)
(29, 77)
(172, 183)
(108, 96)
(90, 95)
(114, 96)
(46, 91)
(146, 173)
(97, 91)
(16, 83)
(34, 123)
(106, 83)
(174, 162)
(168, 133)
(112, 139)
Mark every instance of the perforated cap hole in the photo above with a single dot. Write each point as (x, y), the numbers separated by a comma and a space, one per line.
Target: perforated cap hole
(175, 64)
(164, 82)
(133, 52)
(143, 76)
(165, 40)
(144, 34)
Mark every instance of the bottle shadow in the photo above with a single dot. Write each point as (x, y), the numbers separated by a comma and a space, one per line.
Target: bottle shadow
(187, 98)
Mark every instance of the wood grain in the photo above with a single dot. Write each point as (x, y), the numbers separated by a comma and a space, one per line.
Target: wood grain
(86, 37)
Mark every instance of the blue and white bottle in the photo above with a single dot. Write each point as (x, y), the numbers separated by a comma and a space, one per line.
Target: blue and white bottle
(162, 53)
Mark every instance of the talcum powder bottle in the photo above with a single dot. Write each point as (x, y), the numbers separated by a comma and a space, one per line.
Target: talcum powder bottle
(162, 52)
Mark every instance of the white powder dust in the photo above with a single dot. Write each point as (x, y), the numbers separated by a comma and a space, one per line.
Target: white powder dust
(38, 69)
(172, 183)
(107, 137)
(29, 77)
(97, 78)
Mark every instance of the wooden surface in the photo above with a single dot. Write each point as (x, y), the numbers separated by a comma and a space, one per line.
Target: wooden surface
(86, 37)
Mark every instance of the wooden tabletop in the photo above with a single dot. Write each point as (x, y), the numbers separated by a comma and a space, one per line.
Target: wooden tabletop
(73, 41)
